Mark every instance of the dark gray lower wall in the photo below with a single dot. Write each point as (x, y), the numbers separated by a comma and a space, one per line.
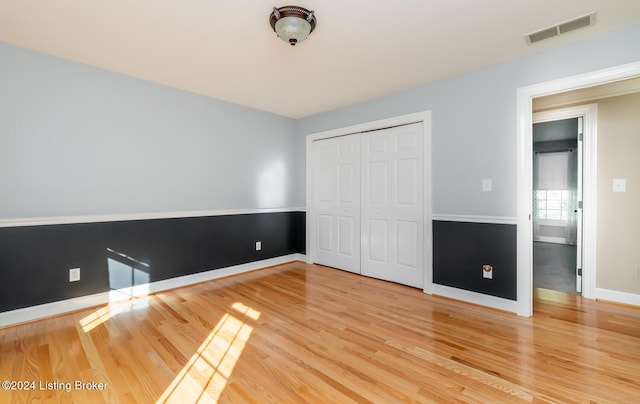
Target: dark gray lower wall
(460, 249)
(35, 260)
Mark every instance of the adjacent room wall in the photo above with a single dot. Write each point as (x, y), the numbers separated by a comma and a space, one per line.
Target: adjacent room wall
(618, 144)
(618, 223)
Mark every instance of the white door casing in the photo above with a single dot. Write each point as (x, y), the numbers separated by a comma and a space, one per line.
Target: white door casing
(524, 102)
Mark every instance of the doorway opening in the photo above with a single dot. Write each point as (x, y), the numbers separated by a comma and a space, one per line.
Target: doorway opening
(524, 106)
(557, 200)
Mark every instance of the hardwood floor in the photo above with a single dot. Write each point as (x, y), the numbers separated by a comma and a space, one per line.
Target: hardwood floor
(298, 332)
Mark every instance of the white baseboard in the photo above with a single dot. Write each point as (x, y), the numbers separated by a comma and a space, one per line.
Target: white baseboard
(64, 306)
(618, 297)
(474, 297)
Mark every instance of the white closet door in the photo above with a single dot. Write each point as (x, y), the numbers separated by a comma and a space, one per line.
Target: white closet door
(337, 202)
(392, 204)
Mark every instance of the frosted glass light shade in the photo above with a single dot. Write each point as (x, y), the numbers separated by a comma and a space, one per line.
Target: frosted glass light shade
(293, 30)
(292, 24)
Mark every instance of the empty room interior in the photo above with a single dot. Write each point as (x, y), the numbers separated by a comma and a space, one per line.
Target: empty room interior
(346, 201)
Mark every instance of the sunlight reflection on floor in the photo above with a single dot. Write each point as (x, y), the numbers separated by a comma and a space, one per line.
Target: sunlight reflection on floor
(103, 314)
(205, 376)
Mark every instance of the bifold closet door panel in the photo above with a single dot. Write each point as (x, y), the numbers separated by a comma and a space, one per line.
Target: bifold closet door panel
(337, 202)
(392, 204)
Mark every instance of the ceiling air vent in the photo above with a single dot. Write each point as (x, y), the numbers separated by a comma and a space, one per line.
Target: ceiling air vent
(561, 28)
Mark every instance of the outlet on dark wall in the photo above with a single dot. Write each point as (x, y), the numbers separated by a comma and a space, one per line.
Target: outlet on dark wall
(461, 249)
(35, 260)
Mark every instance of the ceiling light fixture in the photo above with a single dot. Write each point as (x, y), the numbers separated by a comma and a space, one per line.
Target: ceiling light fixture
(292, 24)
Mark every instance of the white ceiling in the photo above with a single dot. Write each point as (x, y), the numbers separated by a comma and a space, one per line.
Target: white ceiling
(361, 49)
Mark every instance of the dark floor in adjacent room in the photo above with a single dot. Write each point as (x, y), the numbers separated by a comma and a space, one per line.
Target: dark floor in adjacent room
(554, 266)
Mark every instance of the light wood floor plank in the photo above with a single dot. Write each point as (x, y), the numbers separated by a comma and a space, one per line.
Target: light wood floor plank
(305, 333)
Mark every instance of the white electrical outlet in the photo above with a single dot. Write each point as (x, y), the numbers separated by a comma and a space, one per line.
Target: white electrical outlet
(74, 274)
(258, 245)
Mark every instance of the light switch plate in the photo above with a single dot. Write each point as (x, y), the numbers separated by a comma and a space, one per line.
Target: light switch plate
(619, 185)
(487, 185)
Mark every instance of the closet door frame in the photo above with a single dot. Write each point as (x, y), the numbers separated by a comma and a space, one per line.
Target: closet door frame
(425, 118)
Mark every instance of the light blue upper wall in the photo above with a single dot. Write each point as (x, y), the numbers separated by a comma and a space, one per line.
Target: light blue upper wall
(474, 120)
(78, 140)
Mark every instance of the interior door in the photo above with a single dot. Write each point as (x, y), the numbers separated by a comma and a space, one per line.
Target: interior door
(557, 190)
(578, 210)
(392, 204)
(337, 202)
